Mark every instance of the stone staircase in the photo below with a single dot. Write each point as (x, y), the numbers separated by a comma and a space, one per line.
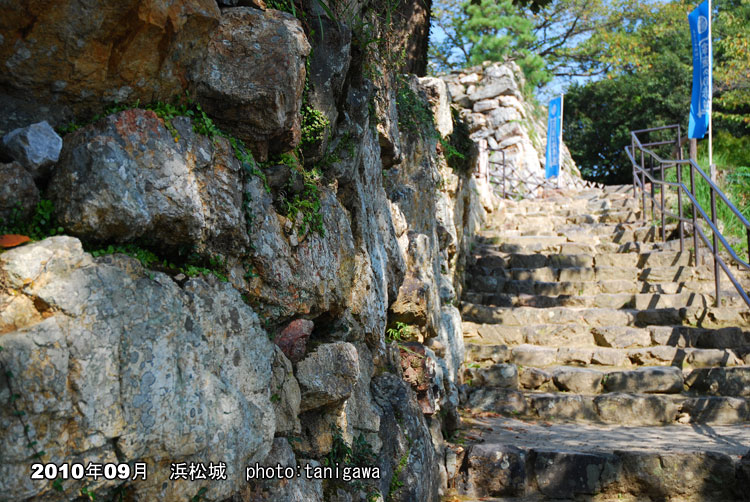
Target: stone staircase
(597, 367)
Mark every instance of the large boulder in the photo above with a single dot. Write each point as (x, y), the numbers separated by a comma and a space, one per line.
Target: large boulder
(294, 489)
(76, 56)
(126, 178)
(308, 274)
(125, 366)
(18, 193)
(408, 453)
(254, 75)
(37, 147)
(328, 375)
(285, 395)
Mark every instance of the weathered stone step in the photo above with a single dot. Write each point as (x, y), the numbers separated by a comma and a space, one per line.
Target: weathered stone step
(711, 317)
(611, 408)
(689, 336)
(596, 294)
(585, 213)
(536, 356)
(534, 462)
(720, 381)
(568, 206)
(600, 273)
(563, 246)
(560, 225)
(572, 335)
(626, 260)
(546, 240)
(715, 381)
(583, 288)
(602, 300)
(622, 232)
(645, 380)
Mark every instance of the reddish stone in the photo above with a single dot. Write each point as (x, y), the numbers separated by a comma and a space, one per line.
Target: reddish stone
(293, 339)
(419, 372)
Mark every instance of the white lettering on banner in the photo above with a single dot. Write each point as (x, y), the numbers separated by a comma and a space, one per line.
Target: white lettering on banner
(704, 58)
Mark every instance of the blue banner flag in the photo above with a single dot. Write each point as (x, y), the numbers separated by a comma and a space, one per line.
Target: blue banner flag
(700, 105)
(554, 126)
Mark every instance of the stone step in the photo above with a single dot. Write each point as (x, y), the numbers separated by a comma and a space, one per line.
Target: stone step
(623, 337)
(561, 245)
(585, 212)
(709, 317)
(549, 239)
(601, 273)
(689, 336)
(622, 232)
(714, 381)
(527, 461)
(691, 294)
(719, 381)
(540, 356)
(583, 288)
(602, 300)
(644, 380)
(656, 259)
(611, 408)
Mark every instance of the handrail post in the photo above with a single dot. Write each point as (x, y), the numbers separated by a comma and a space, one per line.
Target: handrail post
(653, 191)
(679, 188)
(663, 221)
(643, 187)
(632, 152)
(679, 206)
(504, 174)
(717, 277)
(695, 231)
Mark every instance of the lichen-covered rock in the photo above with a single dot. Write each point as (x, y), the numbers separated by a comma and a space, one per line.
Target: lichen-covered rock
(407, 451)
(295, 489)
(312, 277)
(79, 55)
(418, 301)
(37, 147)
(328, 66)
(440, 99)
(114, 369)
(285, 395)
(127, 178)
(420, 370)
(18, 193)
(253, 77)
(328, 375)
(451, 336)
(489, 471)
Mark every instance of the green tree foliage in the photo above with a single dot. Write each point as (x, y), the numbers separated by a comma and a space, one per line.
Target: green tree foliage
(485, 30)
(648, 63)
(639, 52)
(648, 82)
(545, 42)
(599, 116)
(732, 71)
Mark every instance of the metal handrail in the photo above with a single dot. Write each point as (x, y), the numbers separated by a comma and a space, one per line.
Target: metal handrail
(507, 179)
(640, 174)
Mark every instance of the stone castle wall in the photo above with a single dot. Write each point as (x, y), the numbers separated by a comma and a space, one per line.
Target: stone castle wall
(490, 98)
